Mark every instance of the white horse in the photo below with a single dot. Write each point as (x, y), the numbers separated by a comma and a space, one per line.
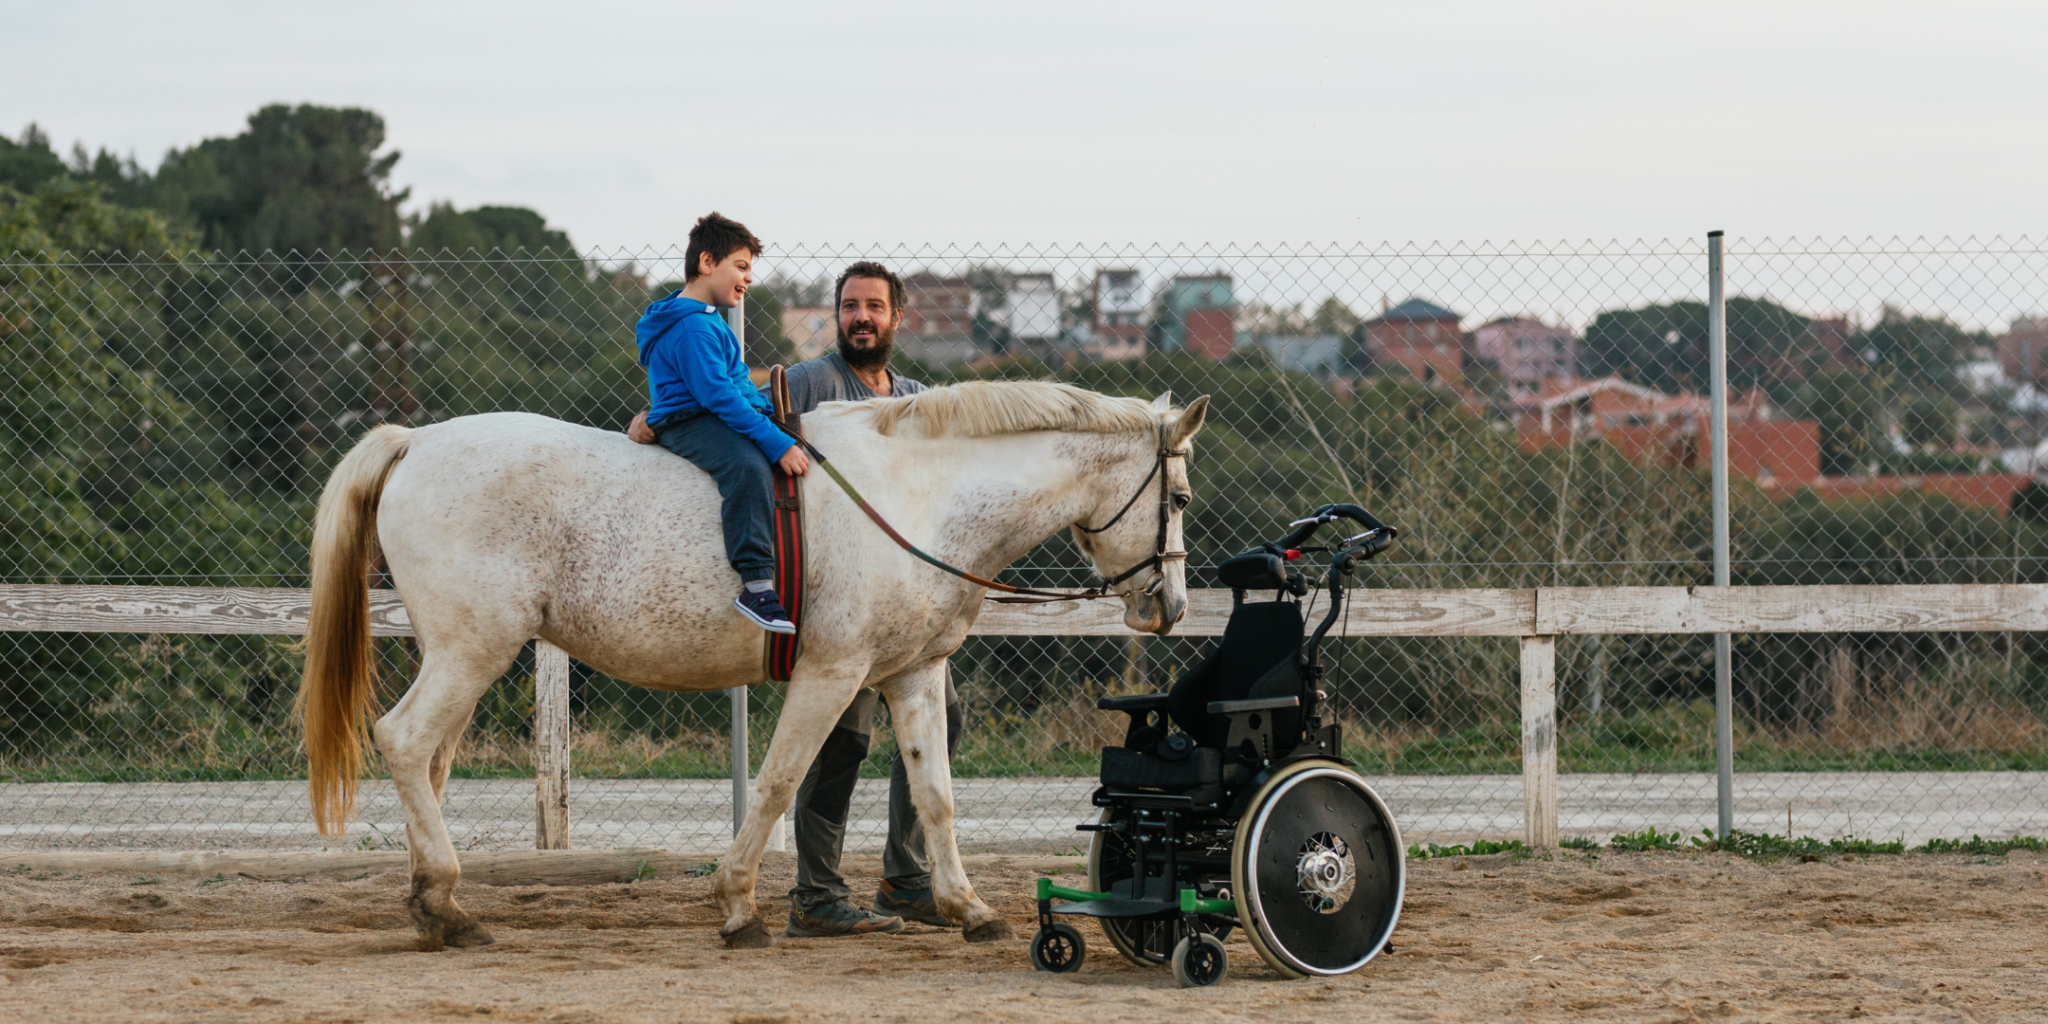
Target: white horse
(501, 527)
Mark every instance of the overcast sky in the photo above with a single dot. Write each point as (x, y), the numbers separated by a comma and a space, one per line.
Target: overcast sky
(1112, 122)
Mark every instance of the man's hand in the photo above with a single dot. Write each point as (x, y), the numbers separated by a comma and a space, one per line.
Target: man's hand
(637, 430)
(794, 461)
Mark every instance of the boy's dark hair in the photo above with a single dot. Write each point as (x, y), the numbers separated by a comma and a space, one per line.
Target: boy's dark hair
(719, 235)
(869, 268)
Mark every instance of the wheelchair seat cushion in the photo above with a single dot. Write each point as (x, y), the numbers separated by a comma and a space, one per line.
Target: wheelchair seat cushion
(1255, 659)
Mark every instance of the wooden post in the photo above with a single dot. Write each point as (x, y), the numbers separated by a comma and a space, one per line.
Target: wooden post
(1539, 740)
(550, 746)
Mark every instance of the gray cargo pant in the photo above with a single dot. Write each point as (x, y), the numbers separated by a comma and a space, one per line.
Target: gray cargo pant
(823, 801)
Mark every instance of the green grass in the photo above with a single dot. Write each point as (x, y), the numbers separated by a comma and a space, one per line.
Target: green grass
(1645, 840)
(1055, 741)
(1763, 846)
(1476, 848)
(1984, 847)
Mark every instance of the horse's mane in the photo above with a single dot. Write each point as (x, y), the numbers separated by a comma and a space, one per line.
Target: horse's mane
(979, 408)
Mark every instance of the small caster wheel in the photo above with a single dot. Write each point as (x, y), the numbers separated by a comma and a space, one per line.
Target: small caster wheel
(1199, 961)
(1058, 948)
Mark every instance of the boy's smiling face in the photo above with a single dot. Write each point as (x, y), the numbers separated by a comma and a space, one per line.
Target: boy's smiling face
(725, 282)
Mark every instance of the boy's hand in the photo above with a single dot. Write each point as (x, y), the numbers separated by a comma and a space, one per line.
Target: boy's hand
(637, 430)
(794, 461)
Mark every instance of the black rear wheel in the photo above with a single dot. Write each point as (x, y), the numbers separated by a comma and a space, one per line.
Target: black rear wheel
(1317, 871)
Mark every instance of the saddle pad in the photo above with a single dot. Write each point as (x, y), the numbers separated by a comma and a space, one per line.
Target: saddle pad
(780, 654)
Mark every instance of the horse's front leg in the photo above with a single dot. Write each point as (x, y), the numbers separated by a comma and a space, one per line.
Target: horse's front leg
(813, 705)
(917, 711)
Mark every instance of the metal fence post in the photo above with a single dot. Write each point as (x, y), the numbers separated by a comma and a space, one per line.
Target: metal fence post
(1724, 686)
(1539, 740)
(739, 693)
(550, 746)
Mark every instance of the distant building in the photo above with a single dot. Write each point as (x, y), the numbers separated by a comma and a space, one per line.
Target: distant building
(1031, 314)
(1319, 354)
(1420, 337)
(2023, 350)
(1116, 331)
(1197, 314)
(1527, 352)
(938, 320)
(1648, 426)
(812, 329)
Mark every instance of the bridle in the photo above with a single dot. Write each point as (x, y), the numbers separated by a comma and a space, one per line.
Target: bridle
(1026, 595)
(1160, 555)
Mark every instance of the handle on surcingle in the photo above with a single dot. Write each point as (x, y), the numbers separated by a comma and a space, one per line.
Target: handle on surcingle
(778, 394)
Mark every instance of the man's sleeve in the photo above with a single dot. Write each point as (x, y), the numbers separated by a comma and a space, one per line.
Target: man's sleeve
(704, 373)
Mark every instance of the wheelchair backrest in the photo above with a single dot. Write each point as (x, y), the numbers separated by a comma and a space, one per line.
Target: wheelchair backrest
(1256, 658)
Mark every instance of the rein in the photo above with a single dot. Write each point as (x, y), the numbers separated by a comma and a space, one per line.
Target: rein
(1026, 595)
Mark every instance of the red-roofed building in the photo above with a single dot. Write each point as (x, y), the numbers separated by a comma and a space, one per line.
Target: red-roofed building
(1420, 337)
(1650, 426)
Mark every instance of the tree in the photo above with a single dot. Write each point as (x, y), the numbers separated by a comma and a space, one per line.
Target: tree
(300, 180)
(765, 343)
(510, 230)
(25, 165)
(1929, 421)
(1918, 354)
(1332, 317)
(1851, 415)
(1665, 346)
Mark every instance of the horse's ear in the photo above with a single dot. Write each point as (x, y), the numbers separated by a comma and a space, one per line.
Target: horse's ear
(1190, 420)
(1163, 402)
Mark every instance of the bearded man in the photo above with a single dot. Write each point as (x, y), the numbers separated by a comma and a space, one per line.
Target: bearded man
(869, 300)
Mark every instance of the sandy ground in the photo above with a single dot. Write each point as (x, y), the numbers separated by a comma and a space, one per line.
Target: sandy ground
(1647, 937)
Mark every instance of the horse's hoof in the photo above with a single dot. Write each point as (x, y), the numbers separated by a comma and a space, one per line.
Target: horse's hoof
(752, 935)
(989, 931)
(470, 936)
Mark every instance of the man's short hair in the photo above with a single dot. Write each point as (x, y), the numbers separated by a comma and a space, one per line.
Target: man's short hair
(869, 268)
(719, 235)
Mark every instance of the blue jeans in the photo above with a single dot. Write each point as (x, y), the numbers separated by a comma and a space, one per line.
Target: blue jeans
(746, 486)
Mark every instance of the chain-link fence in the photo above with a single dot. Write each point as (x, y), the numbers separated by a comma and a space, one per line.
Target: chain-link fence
(1528, 415)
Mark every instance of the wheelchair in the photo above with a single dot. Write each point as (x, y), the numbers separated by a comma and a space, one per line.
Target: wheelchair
(1229, 804)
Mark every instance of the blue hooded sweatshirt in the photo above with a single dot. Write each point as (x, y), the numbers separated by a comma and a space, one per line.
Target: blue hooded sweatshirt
(693, 362)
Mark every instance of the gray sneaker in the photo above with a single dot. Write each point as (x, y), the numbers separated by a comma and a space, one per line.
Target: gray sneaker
(910, 904)
(839, 917)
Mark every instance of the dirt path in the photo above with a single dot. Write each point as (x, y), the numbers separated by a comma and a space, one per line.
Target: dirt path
(1654, 937)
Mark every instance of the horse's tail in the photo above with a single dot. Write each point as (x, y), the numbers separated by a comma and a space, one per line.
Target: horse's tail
(336, 695)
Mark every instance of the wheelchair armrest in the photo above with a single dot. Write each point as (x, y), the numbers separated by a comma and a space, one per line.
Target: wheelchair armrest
(1136, 703)
(1240, 707)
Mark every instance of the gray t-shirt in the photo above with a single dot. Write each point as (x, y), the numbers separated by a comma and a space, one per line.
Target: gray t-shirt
(828, 379)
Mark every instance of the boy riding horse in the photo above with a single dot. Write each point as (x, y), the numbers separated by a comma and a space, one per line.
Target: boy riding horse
(870, 300)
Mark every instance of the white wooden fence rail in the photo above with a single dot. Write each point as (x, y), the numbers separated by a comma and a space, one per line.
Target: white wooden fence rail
(1536, 615)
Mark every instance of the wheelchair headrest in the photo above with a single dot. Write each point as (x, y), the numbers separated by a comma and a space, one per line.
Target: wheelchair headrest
(1253, 570)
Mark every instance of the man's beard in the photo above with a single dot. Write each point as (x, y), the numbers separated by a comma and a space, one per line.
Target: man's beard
(874, 356)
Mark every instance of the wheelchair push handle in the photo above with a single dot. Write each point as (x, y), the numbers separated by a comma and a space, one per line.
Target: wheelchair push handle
(1363, 548)
(1304, 528)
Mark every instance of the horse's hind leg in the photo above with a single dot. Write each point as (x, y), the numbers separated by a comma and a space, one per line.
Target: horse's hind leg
(418, 738)
(917, 707)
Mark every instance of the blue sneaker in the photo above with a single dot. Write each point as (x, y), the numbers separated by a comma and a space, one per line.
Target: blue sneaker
(765, 610)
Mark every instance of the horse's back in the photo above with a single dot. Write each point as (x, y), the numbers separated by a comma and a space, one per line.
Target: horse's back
(513, 524)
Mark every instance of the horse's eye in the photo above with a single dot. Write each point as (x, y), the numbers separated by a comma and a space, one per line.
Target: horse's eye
(1180, 501)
